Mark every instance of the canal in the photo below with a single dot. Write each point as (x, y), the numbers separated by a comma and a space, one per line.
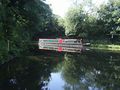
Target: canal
(89, 70)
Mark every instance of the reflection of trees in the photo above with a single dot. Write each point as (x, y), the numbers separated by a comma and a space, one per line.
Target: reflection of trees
(91, 70)
(26, 73)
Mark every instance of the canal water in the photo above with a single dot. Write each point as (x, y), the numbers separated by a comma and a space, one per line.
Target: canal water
(89, 70)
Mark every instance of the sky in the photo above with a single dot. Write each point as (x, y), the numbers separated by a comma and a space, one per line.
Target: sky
(60, 7)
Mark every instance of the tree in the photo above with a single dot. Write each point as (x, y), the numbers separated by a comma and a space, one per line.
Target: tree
(109, 16)
(96, 23)
(74, 21)
(20, 21)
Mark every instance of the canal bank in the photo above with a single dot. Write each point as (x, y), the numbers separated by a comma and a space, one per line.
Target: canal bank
(112, 47)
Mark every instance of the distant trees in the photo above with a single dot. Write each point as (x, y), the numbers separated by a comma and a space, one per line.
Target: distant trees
(53, 29)
(95, 23)
(110, 16)
(74, 21)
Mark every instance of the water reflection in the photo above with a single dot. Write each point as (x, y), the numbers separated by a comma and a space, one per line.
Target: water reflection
(27, 73)
(93, 70)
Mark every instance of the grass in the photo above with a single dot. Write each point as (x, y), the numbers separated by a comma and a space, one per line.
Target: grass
(105, 47)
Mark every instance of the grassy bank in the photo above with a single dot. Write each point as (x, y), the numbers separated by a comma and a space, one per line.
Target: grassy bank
(105, 47)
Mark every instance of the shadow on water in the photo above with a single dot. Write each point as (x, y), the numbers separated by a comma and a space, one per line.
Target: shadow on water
(90, 70)
(26, 73)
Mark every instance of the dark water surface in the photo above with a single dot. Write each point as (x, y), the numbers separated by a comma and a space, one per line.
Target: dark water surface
(90, 70)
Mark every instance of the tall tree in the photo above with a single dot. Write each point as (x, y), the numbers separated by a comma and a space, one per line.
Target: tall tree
(20, 20)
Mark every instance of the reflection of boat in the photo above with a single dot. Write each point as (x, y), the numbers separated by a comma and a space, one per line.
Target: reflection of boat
(60, 45)
(66, 49)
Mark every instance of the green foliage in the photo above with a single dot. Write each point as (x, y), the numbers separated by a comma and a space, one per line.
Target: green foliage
(97, 23)
(109, 14)
(23, 21)
(53, 28)
(73, 20)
